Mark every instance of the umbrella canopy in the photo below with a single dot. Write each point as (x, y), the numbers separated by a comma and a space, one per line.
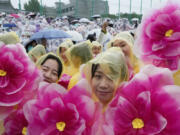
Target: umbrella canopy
(50, 34)
(2, 13)
(10, 25)
(76, 36)
(74, 21)
(64, 17)
(135, 19)
(96, 16)
(84, 20)
(32, 14)
(15, 15)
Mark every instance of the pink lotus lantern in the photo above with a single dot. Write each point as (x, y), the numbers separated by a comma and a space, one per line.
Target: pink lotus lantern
(64, 80)
(57, 112)
(146, 106)
(159, 36)
(15, 123)
(18, 77)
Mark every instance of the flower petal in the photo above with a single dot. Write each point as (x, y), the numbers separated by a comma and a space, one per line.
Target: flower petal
(155, 125)
(143, 103)
(15, 86)
(11, 100)
(4, 81)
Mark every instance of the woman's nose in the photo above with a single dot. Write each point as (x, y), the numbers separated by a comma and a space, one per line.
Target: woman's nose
(103, 83)
(47, 74)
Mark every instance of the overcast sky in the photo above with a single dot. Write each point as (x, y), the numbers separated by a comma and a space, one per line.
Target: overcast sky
(113, 4)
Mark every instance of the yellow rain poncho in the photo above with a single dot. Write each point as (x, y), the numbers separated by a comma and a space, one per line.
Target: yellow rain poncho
(42, 58)
(88, 42)
(10, 38)
(126, 36)
(66, 44)
(78, 54)
(37, 52)
(66, 65)
(95, 43)
(96, 47)
(113, 64)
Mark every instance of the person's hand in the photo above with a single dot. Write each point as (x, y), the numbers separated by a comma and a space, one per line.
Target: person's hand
(104, 26)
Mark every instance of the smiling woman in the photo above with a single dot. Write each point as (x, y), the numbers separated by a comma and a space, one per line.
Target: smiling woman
(102, 85)
(105, 74)
(51, 67)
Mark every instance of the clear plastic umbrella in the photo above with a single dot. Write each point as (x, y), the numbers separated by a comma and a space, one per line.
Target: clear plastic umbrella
(84, 20)
(76, 36)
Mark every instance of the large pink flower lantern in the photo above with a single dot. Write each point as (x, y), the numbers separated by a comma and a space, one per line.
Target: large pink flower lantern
(57, 112)
(18, 76)
(159, 36)
(146, 106)
(15, 123)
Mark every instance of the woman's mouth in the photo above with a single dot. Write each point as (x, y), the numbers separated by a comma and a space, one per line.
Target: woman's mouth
(104, 92)
(48, 81)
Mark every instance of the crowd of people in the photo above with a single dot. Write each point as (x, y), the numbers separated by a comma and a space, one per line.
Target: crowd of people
(109, 79)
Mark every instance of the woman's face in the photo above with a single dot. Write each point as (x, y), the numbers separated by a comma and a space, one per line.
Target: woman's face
(62, 54)
(50, 71)
(123, 45)
(96, 50)
(102, 86)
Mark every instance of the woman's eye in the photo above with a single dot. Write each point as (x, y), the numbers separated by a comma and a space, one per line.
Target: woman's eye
(123, 45)
(98, 76)
(55, 74)
(45, 70)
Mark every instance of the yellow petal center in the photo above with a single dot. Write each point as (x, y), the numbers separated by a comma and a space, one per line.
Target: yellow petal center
(24, 131)
(3, 73)
(137, 123)
(169, 33)
(60, 126)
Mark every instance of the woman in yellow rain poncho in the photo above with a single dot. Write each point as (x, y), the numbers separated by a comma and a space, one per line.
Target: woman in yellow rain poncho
(105, 73)
(125, 41)
(78, 55)
(51, 67)
(61, 52)
(102, 77)
(37, 52)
